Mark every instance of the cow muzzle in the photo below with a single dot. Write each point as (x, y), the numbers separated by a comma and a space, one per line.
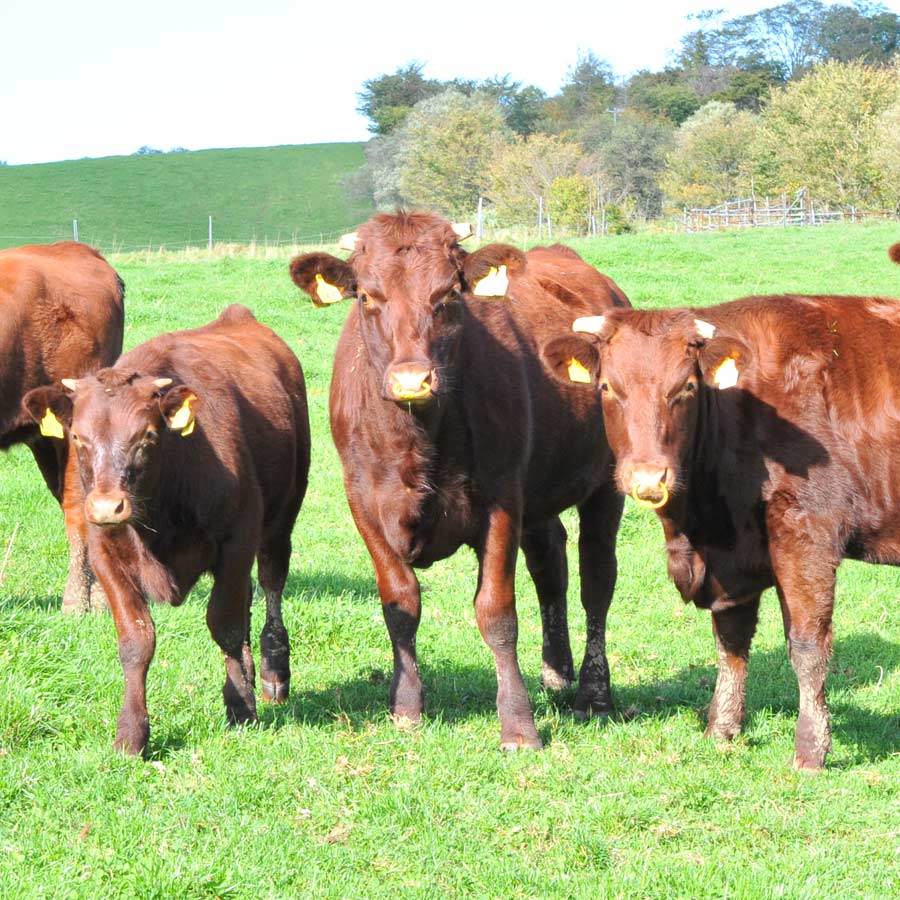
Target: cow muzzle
(107, 509)
(648, 486)
(410, 383)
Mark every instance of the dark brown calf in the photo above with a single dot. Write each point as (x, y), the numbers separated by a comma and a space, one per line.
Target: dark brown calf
(450, 433)
(766, 433)
(61, 315)
(193, 452)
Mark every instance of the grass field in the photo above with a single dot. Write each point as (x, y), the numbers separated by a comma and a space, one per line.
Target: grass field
(121, 202)
(327, 799)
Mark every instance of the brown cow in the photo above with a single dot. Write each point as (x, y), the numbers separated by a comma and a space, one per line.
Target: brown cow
(765, 432)
(450, 433)
(61, 315)
(193, 452)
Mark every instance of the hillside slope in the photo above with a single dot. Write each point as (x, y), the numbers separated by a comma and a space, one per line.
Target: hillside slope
(131, 202)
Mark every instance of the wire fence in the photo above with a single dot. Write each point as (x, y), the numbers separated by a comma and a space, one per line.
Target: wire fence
(733, 214)
(211, 241)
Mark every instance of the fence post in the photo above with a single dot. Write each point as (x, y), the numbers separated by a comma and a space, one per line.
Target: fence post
(479, 222)
(74, 229)
(540, 217)
(210, 242)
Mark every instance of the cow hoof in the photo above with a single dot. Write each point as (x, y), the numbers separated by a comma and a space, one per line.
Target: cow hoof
(132, 741)
(241, 715)
(74, 607)
(522, 743)
(404, 722)
(98, 602)
(554, 680)
(807, 765)
(275, 691)
(586, 707)
(722, 732)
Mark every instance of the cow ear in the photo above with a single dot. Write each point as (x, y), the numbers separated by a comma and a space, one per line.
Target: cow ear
(179, 408)
(487, 271)
(572, 358)
(51, 409)
(723, 360)
(325, 278)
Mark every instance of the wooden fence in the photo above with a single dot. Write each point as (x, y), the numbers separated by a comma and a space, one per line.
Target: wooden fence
(754, 213)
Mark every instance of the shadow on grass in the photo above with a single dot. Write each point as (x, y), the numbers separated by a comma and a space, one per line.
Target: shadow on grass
(330, 583)
(859, 660)
(456, 693)
(298, 583)
(453, 693)
(52, 603)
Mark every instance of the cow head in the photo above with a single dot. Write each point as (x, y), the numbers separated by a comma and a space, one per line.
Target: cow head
(116, 421)
(410, 279)
(653, 370)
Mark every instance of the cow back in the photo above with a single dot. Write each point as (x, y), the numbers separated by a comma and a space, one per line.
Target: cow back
(61, 316)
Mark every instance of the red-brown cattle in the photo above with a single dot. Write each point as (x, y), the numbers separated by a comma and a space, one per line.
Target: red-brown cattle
(450, 433)
(61, 315)
(766, 434)
(193, 454)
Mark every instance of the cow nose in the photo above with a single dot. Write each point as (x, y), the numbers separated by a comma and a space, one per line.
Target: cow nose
(112, 508)
(648, 485)
(410, 381)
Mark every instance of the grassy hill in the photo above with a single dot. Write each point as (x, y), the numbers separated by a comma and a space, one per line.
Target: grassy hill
(328, 800)
(130, 202)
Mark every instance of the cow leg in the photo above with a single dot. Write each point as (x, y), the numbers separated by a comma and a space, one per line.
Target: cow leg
(228, 619)
(274, 644)
(137, 644)
(733, 629)
(401, 605)
(599, 517)
(545, 555)
(83, 592)
(60, 473)
(805, 574)
(495, 612)
(807, 627)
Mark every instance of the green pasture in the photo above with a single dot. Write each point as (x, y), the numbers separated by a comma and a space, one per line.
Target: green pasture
(282, 194)
(328, 799)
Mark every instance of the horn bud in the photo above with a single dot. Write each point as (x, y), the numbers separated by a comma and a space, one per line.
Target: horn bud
(705, 329)
(69, 383)
(162, 382)
(348, 241)
(589, 324)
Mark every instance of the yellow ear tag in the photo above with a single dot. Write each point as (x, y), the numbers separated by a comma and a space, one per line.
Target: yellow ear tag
(51, 426)
(326, 292)
(183, 420)
(494, 284)
(726, 375)
(577, 372)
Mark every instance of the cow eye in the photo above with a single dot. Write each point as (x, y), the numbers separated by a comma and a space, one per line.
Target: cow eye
(604, 386)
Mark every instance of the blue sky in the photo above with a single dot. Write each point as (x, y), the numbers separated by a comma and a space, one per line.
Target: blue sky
(100, 78)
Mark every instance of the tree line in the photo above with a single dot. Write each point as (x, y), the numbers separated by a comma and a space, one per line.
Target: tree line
(800, 94)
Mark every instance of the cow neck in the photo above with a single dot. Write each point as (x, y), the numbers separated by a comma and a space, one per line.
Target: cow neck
(126, 551)
(699, 495)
